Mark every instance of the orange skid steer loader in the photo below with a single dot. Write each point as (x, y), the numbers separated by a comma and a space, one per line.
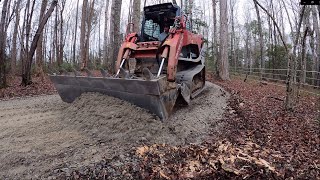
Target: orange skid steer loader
(150, 72)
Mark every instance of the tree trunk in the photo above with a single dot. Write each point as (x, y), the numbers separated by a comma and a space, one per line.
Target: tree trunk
(319, 10)
(23, 34)
(291, 86)
(56, 38)
(247, 48)
(83, 35)
(115, 31)
(215, 37)
(130, 9)
(26, 74)
(28, 20)
(52, 47)
(190, 8)
(316, 50)
(307, 27)
(288, 17)
(260, 39)
(39, 54)
(224, 62)
(111, 38)
(270, 47)
(9, 16)
(275, 44)
(87, 39)
(302, 79)
(61, 42)
(14, 38)
(99, 42)
(105, 36)
(136, 15)
(75, 35)
(233, 56)
(3, 39)
(45, 40)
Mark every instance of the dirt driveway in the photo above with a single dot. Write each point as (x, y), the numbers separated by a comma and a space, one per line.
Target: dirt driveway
(41, 135)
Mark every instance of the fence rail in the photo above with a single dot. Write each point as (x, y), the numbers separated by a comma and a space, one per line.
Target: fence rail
(311, 83)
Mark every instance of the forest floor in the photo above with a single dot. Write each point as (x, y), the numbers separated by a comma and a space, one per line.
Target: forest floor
(241, 134)
(292, 138)
(15, 90)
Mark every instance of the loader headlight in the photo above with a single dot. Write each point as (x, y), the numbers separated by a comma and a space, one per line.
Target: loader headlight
(169, 6)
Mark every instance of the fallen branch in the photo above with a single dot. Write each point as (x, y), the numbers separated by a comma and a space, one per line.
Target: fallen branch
(276, 98)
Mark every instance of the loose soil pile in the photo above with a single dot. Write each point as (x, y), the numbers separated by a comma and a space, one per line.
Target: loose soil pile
(43, 136)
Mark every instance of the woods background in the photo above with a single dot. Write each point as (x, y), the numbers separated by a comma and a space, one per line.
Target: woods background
(267, 39)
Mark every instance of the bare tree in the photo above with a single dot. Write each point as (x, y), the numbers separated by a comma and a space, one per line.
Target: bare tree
(306, 23)
(291, 85)
(3, 39)
(248, 35)
(61, 41)
(14, 37)
(224, 62)
(23, 33)
(56, 39)
(233, 56)
(190, 8)
(115, 38)
(136, 15)
(260, 39)
(39, 51)
(215, 36)
(105, 36)
(83, 35)
(316, 49)
(111, 37)
(10, 15)
(319, 10)
(52, 44)
(75, 34)
(86, 25)
(26, 73)
(303, 57)
(88, 32)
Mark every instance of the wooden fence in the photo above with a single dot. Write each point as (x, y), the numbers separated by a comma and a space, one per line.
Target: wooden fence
(309, 80)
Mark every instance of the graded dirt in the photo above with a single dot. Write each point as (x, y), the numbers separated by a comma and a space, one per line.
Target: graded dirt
(40, 135)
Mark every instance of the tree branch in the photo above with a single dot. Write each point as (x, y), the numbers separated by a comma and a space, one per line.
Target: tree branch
(275, 23)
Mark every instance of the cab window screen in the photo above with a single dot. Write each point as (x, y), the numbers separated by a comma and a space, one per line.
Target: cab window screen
(151, 29)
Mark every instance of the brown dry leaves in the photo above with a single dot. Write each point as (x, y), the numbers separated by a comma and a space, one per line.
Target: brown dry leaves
(205, 161)
(257, 114)
(37, 88)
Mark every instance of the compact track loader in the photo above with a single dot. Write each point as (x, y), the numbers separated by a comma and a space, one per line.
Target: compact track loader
(151, 73)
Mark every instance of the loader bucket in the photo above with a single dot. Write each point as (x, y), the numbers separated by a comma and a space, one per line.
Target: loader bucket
(156, 95)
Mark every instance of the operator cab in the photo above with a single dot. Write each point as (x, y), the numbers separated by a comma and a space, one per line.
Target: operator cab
(156, 17)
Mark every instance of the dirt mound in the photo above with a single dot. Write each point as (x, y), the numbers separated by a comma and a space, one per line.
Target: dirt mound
(121, 125)
(43, 136)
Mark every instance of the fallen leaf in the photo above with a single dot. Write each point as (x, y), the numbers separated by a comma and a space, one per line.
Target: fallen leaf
(230, 169)
(163, 175)
(266, 164)
(193, 165)
(142, 150)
